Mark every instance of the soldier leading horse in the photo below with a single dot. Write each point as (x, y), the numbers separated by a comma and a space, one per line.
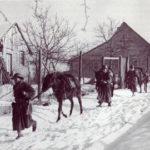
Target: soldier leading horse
(65, 86)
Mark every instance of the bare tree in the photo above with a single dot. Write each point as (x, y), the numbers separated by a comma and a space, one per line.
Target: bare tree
(105, 30)
(50, 35)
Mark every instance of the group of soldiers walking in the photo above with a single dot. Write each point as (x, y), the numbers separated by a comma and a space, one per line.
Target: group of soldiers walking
(105, 82)
(23, 92)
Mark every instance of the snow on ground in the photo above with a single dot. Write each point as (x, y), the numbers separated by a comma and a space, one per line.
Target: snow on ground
(96, 128)
(136, 138)
(6, 94)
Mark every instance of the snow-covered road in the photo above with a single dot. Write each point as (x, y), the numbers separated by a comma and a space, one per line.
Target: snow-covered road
(96, 128)
(136, 138)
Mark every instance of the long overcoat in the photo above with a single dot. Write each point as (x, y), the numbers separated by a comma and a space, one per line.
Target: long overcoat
(131, 80)
(103, 85)
(22, 109)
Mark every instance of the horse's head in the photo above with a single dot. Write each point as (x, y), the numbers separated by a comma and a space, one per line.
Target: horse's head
(48, 81)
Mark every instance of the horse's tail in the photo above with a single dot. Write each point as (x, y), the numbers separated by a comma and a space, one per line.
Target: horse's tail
(46, 82)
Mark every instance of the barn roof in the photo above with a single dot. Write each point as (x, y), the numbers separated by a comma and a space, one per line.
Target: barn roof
(125, 25)
(122, 26)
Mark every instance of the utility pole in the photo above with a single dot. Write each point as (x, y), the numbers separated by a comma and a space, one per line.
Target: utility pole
(147, 64)
(80, 68)
(39, 76)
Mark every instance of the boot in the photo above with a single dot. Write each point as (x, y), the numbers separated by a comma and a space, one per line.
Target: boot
(99, 104)
(19, 135)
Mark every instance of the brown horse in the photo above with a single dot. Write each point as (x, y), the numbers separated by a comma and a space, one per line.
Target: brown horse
(65, 86)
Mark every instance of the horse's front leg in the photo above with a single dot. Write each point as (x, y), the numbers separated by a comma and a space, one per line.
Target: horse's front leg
(72, 104)
(59, 109)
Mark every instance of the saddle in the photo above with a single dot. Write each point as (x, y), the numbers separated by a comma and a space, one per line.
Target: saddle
(68, 80)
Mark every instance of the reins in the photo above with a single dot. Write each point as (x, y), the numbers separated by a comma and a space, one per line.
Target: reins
(37, 95)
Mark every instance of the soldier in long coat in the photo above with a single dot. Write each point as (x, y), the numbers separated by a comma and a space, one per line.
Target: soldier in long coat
(22, 109)
(103, 85)
(131, 80)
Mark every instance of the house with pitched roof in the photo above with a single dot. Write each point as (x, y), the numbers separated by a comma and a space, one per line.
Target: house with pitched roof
(15, 53)
(125, 47)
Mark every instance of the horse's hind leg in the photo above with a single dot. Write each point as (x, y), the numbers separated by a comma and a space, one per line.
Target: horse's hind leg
(59, 110)
(80, 103)
(140, 89)
(72, 104)
(145, 87)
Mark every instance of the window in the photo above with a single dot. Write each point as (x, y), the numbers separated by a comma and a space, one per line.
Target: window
(22, 58)
(1, 46)
(9, 62)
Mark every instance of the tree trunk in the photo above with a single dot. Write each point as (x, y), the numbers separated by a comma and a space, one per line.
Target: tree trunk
(39, 77)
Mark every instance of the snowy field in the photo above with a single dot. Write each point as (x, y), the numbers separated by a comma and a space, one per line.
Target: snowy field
(95, 129)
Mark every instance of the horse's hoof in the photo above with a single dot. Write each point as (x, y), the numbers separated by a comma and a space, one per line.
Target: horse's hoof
(109, 104)
(57, 119)
(65, 115)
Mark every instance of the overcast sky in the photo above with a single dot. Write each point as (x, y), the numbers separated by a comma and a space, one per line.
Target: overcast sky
(136, 13)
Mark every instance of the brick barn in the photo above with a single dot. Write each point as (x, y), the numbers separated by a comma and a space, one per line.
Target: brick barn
(125, 43)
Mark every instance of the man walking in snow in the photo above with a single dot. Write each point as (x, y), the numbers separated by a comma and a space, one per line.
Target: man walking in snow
(103, 85)
(22, 109)
(131, 79)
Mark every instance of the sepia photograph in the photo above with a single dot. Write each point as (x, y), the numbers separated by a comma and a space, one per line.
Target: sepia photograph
(74, 75)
